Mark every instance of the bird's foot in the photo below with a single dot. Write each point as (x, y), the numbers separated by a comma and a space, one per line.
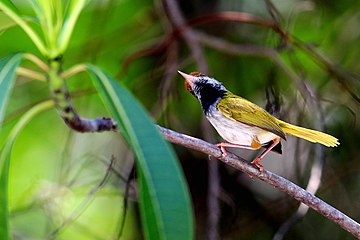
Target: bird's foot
(257, 164)
(222, 149)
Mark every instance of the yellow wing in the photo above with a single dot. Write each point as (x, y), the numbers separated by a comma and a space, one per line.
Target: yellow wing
(244, 111)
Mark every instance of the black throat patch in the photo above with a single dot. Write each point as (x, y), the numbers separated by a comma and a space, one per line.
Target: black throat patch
(209, 94)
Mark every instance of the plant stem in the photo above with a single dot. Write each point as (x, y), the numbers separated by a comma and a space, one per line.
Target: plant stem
(65, 108)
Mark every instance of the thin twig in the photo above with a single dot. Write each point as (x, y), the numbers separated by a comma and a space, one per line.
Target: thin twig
(233, 48)
(193, 43)
(31, 74)
(213, 206)
(167, 81)
(74, 70)
(31, 57)
(313, 185)
(186, 27)
(281, 183)
(126, 202)
(342, 76)
(273, 12)
(87, 200)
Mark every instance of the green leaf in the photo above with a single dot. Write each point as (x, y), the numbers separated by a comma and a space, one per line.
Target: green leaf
(45, 14)
(8, 66)
(164, 197)
(7, 7)
(5, 156)
(4, 215)
(74, 9)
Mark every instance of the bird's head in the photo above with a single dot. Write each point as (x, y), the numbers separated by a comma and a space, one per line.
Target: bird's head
(206, 89)
(198, 84)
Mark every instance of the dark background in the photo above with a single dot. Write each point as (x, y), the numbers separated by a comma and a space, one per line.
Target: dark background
(54, 168)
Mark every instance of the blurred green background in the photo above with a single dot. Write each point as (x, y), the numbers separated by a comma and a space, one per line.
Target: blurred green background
(53, 169)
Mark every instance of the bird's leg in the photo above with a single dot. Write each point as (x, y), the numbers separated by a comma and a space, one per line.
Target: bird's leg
(257, 160)
(224, 152)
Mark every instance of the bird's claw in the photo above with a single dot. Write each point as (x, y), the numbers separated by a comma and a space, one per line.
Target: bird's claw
(257, 164)
(254, 162)
(223, 150)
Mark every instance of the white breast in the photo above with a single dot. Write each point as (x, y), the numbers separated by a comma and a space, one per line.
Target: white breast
(237, 132)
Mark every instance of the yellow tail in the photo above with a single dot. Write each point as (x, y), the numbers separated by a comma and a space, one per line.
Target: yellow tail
(308, 134)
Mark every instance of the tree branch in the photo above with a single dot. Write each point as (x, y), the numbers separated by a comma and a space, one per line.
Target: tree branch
(281, 183)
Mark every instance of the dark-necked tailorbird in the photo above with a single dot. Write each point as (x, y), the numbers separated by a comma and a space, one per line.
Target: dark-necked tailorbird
(242, 123)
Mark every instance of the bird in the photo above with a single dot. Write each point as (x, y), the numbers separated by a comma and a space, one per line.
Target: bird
(243, 124)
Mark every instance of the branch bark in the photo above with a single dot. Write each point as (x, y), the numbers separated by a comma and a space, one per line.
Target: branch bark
(281, 183)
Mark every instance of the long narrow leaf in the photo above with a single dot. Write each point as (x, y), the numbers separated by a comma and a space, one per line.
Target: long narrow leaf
(5, 156)
(8, 67)
(72, 14)
(50, 14)
(164, 198)
(8, 9)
